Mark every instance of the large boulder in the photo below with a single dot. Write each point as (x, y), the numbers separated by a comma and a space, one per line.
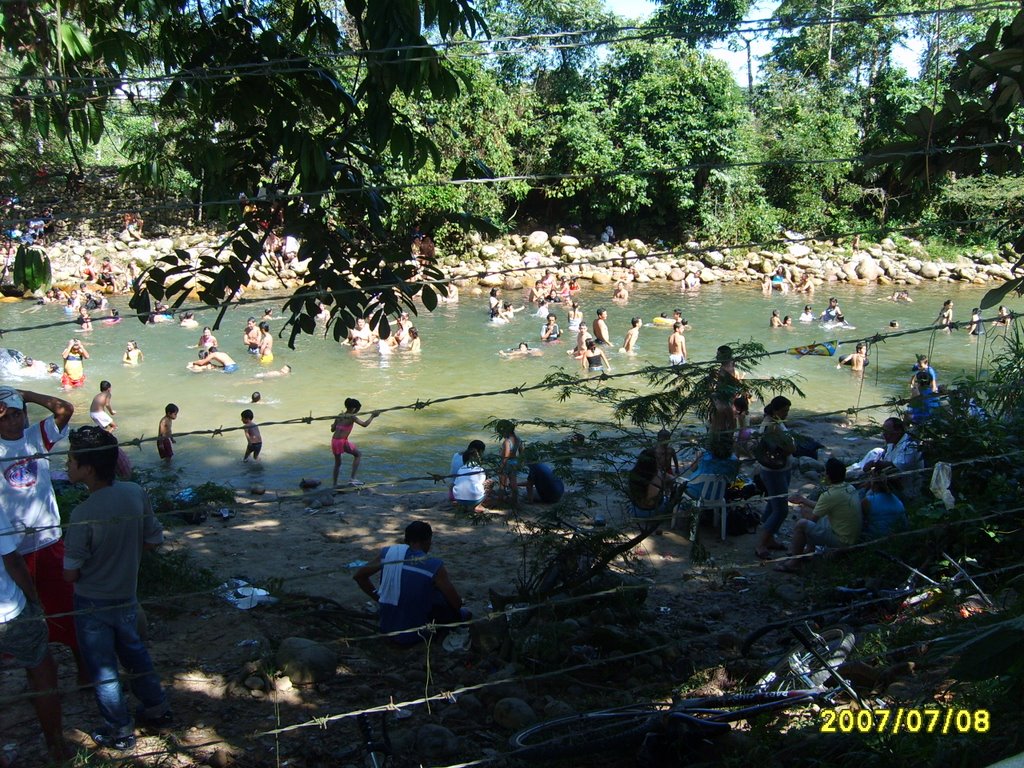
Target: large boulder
(929, 270)
(708, 276)
(565, 240)
(306, 661)
(798, 250)
(714, 259)
(601, 278)
(868, 269)
(537, 240)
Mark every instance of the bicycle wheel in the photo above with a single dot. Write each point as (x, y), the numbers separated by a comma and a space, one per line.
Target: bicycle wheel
(799, 668)
(584, 734)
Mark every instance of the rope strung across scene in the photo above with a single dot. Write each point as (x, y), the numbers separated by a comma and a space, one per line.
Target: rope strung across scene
(675, 169)
(876, 338)
(605, 35)
(562, 600)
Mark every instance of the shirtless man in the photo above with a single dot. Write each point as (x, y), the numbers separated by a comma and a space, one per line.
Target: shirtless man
(677, 345)
(601, 328)
(857, 361)
(251, 336)
(629, 343)
(100, 411)
(361, 336)
(213, 359)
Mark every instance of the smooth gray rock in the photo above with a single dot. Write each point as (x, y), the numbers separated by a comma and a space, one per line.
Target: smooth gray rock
(306, 661)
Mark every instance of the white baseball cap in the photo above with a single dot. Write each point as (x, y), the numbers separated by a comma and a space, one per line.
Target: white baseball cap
(11, 398)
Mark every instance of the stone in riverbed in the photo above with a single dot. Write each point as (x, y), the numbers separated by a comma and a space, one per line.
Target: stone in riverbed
(929, 270)
(436, 741)
(708, 276)
(798, 250)
(513, 713)
(537, 240)
(306, 661)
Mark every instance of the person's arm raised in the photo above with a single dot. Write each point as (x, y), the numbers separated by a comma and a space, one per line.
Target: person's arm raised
(62, 410)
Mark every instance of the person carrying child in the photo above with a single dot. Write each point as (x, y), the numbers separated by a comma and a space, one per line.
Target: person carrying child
(340, 444)
(253, 439)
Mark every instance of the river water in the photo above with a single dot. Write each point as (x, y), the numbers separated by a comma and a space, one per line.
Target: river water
(459, 356)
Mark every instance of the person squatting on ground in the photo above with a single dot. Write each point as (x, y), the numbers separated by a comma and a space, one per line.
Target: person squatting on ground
(415, 589)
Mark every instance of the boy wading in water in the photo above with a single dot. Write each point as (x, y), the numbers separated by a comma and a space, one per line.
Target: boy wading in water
(340, 443)
(253, 439)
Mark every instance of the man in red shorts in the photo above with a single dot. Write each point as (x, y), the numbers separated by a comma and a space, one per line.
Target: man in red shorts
(26, 495)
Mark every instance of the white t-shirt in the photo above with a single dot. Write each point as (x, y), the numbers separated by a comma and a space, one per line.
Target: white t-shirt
(12, 599)
(457, 463)
(469, 483)
(26, 493)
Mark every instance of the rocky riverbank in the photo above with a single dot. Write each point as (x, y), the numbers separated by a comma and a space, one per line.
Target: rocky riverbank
(517, 260)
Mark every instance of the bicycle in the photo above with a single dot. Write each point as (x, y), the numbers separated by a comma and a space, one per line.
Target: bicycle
(627, 727)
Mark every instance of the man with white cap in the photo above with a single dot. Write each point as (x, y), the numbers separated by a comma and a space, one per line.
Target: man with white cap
(26, 495)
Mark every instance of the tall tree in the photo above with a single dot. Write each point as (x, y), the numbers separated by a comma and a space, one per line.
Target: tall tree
(253, 102)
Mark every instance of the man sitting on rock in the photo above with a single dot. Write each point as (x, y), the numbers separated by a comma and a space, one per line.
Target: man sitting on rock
(900, 454)
(834, 521)
(414, 589)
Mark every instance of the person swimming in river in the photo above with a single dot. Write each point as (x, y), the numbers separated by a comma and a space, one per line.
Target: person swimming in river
(523, 350)
(632, 335)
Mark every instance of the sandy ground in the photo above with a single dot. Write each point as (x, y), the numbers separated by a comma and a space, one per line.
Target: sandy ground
(204, 647)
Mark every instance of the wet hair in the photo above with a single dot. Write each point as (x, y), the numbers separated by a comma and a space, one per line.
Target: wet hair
(104, 386)
(247, 414)
(351, 404)
(637, 322)
(523, 346)
(170, 408)
(923, 377)
(95, 447)
(418, 532)
(256, 397)
(265, 326)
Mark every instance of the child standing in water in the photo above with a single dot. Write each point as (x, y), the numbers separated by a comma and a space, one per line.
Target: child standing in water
(511, 450)
(340, 443)
(253, 439)
(165, 432)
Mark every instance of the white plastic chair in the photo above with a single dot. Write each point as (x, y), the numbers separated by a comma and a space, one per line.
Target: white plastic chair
(711, 496)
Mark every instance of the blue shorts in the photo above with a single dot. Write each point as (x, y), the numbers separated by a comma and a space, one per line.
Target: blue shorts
(231, 368)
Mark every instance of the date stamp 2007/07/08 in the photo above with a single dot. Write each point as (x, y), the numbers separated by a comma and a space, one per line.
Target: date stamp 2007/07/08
(906, 720)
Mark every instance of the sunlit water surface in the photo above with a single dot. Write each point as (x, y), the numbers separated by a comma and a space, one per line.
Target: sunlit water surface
(460, 356)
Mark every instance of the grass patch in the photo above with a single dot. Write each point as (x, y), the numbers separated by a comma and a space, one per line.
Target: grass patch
(173, 574)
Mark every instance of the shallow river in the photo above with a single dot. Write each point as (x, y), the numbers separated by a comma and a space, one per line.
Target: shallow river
(459, 357)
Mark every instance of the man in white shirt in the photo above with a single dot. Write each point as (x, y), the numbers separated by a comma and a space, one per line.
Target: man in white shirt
(26, 496)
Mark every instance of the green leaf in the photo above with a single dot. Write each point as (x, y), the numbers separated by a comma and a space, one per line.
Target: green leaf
(429, 298)
(994, 297)
(75, 41)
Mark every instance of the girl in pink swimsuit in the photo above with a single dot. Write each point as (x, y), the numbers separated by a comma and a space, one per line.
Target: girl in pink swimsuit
(340, 444)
